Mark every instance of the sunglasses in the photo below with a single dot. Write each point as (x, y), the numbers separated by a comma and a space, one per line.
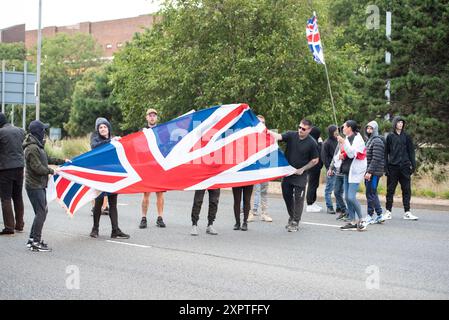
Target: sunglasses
(302, 128)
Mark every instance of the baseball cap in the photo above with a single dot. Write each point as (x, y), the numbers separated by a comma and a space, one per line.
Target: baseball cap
(151, 110)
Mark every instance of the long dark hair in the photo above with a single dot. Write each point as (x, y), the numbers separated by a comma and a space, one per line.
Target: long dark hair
(353, 125)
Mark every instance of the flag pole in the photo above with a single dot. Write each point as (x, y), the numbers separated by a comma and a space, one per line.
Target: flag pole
(330, 93)
(329, 86)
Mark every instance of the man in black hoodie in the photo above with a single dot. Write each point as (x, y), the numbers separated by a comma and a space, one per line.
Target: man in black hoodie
(11, 176)
(36, 179)
(314, 175)
(400, 163)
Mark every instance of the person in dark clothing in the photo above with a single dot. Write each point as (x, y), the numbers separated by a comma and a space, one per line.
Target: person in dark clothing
(214, 196)
(301, 153)
(314, 175)
(237, 192)
(102, 136)
(36, 179)
(11, 176)
(327, 154)
(400, 164)
(375, 156)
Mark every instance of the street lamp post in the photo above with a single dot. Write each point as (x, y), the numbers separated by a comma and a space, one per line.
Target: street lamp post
(38, 73)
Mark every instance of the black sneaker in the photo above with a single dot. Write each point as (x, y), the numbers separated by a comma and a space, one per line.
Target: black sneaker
(94, 233)
(330, 210)
(118, 234)
(160, 223)
(105, 211)
(237, 226)
(349, 227)
(143, 223)
(293, 227)
(40, 247)
(6, 232)
(289, 223)
(244, 226)
(341, 216)
(29, 243)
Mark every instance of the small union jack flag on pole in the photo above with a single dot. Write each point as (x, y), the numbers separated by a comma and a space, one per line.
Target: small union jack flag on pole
(314, 39)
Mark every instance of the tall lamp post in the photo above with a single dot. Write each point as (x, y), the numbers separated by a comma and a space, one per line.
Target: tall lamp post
(38, 73)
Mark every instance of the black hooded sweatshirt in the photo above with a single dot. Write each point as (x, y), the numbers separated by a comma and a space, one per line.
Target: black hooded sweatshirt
(399, 149)
(329, 146)
(96, 139)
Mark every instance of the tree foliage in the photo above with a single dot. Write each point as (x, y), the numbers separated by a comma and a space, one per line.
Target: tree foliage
(91, 99)
(205, 53)
(64, 59)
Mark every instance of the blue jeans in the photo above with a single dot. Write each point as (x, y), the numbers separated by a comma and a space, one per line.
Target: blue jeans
(330, 184)
(260, 197)
(338, 192)
(351, 199)
(372, 197)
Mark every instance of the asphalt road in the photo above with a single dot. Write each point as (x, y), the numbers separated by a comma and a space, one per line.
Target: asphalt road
(398, 260)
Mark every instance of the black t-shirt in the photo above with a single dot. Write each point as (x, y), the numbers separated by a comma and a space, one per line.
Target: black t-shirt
(299, 153)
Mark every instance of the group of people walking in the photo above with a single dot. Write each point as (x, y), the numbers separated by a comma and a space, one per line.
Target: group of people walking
(348, 161)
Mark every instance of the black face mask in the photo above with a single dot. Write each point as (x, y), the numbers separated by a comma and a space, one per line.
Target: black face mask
(39, 135)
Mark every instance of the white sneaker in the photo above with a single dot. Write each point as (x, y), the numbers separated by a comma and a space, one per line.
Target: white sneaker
(369, 220)
(387, 215)
(194, 231)
(312, 208)
(265, 217)
(409, 216)
(250, 217)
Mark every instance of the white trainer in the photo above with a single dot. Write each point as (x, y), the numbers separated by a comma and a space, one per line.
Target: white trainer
(409, 216)
(387, 215)
(265, 217)
(312, 208)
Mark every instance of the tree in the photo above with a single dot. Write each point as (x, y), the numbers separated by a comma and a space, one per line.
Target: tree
(205, 53)
(91, 99)
(64, 59)
(419, 71)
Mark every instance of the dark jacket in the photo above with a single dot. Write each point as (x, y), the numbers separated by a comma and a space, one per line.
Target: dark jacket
(96, 139)
(329, 146)
(11, 151)
(36, 161)
(315, 133)
(375, 151)
(399, 149)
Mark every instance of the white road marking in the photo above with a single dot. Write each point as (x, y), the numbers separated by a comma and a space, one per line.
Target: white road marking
(129, 244)
(321, 224)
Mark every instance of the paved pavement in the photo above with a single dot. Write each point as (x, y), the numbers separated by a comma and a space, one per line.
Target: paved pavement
(398, 260)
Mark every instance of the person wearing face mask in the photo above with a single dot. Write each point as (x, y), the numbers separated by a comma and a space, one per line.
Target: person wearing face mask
(36, 179)
(375, 150)
(400, 164)
(102, 136)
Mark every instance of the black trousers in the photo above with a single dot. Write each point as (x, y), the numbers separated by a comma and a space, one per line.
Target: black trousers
(38, 199)
(214, 196)
(237, 193)
(294, 199)
(11, 183)
(113, 214)
(403, 176)
(312, 185)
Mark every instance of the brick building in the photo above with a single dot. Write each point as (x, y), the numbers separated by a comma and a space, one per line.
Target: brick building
(110, 34)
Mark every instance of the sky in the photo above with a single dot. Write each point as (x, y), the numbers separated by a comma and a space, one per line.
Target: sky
(69, 12)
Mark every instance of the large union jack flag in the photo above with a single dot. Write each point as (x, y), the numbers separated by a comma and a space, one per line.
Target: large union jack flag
(314, 40)
(223, 146)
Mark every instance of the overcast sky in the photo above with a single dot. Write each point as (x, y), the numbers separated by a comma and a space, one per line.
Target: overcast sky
(68, 12)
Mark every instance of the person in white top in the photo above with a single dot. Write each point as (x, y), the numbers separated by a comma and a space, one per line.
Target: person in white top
(353, 166)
